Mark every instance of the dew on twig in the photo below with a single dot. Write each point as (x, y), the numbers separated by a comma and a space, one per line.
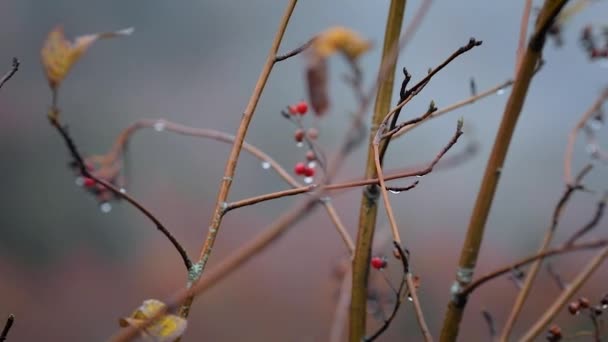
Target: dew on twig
(159, 125)
(308, 180)
(105, 207)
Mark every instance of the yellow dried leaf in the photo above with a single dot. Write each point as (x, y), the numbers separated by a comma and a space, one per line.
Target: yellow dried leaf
(59, 54)
(340, 40)
(165, 329)
(569, 12)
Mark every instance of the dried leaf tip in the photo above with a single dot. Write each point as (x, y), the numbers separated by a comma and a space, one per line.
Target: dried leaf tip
(340, 40)
(59, 54)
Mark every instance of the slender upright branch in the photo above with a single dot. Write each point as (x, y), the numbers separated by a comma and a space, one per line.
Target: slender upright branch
(233, 157)
(10, 73)
(564, 297)
(483, 203)
(369, 205)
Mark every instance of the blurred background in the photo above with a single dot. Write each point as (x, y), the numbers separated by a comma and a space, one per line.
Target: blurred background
(68, 271)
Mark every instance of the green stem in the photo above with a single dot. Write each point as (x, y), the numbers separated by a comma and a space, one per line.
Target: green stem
(369, 203)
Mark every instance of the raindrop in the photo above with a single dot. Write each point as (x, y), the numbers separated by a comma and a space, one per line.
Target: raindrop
(410, 298)
(605, 306)
(105, 207)
(159, 126)
(308, 180)
(394, 191)
(123, 190)
(300, 144)
(596, 123)
(265, 165)
(79, 181)
(500, 91)
(591, 149)
(312, 164)
(418, 176)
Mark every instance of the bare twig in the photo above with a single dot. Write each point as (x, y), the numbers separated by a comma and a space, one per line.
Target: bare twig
(341, 310)
(556, 277)
(7, 327)
(483, 203)
(10, 73)
(599, 212)
(73, 149)
(487, 317)
(539, 256)
(456, 105)
(294, 52)
(565, 296)
(574, 132)
(231, 163)
(535, 267)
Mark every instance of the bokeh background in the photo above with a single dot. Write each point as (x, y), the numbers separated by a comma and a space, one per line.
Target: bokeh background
(69, 271)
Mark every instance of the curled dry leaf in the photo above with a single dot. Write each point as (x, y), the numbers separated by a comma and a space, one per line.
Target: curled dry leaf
(333, 40)
(166, 329)
(59, 54)
(340, 40)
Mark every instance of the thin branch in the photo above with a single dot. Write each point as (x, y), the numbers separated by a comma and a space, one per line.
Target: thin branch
(550, 232)
(73, 149)
(556, 277)
(399, 294)
(294, 52)
(487, 317)
(529, 259)
(7, 327)
(231, 163)
(574, 132)
(456, 105)
(599, 212)
(489, 183)
(125, 136)
(341, 310)
(422, 83)
(10, 73)
(341, 186)
(565, 296)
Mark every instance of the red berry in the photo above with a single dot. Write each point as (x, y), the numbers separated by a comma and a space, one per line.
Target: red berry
(310, 156)
(300, 168)
(583, 302)
(293, 109)
(574, 308)
(302, 107)
(298, 135)
(309, 172)
(88, 182)
(595, 53)
(378, 263)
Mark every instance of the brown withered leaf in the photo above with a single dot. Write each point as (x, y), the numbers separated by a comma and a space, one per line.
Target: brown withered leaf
(59, 54)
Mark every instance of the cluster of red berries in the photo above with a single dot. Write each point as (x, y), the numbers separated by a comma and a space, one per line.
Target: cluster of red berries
(590, 43)
(300, 108)
(583, 303)
(378, 262)
(301, 169)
